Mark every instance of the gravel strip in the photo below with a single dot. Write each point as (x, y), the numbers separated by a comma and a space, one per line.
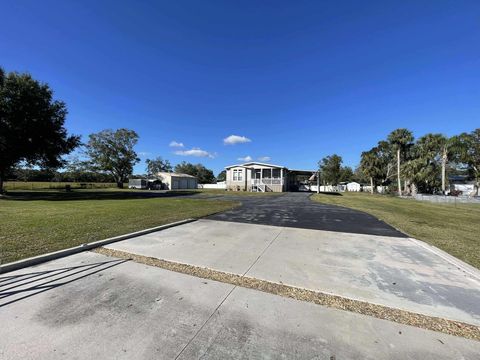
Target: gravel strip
(446, 326)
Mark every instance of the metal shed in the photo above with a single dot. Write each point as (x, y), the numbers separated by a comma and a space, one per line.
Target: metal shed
(177, 181)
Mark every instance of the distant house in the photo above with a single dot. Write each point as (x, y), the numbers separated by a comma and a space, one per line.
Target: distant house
(177, 181)
(463, 184)
(257, 176)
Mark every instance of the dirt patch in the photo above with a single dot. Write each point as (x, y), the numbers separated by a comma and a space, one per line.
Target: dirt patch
(446, 326)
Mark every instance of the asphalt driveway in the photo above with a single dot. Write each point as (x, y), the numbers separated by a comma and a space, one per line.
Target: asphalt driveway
(297, 210)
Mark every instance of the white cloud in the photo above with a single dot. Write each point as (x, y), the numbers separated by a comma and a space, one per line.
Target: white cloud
(144, 153)
(235, 139)
(264, 158)
(197, 152)
(246, 158)
(175, 144)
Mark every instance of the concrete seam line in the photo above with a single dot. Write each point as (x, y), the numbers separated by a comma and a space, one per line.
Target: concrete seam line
(263, 252)
(20, 264)
(205, 323)
(446, 326)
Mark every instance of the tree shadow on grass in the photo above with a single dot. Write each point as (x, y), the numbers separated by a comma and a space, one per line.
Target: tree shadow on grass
(61, 195)
(330, 193)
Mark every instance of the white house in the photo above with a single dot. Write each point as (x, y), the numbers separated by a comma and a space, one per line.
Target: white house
(461, 183)
(257, 176)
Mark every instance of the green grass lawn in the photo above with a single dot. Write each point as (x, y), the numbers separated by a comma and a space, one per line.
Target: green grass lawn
(452, 228)
(33, 223)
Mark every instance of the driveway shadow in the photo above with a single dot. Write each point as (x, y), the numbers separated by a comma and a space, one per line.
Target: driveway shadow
(328, 193)
(18, 287)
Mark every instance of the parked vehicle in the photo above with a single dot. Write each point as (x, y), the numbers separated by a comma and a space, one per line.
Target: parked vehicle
(138, 184)
(144, 184)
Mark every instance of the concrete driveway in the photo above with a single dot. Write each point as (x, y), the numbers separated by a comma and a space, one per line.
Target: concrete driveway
(91, 305)
(391, 271)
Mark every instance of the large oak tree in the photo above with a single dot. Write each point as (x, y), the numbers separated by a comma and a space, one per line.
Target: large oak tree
(113, 152)
(31, 124)
(331, 169)
(203, 175)
(154, 166)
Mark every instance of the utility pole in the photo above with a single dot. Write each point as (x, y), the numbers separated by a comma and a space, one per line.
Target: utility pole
(318, 181)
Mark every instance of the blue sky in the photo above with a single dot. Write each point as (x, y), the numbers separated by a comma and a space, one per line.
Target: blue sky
(301, 80)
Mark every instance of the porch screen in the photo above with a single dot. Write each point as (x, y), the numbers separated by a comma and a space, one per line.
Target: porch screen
(271, 173)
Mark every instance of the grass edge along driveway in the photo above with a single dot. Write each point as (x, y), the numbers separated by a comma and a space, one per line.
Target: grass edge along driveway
(34, 227)
(452, 228)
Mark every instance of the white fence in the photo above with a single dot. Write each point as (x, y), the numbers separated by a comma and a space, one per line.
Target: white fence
(379, 189)
(446, 199)
(219, 185)
(327, 188)
(351, 187)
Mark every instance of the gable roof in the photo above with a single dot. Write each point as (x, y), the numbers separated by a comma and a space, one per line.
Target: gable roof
(176, 174)
(247, 164)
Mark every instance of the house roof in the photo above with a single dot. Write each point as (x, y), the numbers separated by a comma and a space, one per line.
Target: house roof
(247, 164)
(458, 178)
(176, 174)
(303, 171)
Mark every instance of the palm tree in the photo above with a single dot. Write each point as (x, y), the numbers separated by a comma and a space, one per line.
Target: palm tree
(386, 160)
(400, 139)
(451, 149)
(422, 167)
(369, 165)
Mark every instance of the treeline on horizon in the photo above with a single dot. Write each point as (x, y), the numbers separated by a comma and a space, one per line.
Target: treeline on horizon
(34, 144)
(77, 171)
(408, 165)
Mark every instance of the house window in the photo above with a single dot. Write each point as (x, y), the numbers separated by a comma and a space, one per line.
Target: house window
(237, 175)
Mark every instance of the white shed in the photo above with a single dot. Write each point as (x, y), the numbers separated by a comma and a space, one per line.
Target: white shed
(176, 181)
(353, 186)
